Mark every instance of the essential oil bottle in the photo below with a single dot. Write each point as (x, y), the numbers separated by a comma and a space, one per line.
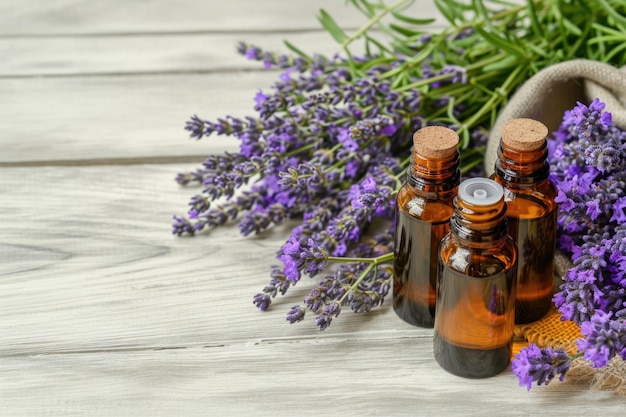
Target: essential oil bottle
(423, 218)
(522, 170)
(475, 315)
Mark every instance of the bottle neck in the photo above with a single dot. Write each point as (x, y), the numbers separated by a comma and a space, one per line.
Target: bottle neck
(434, 174)
(522, 167)
(479, 225)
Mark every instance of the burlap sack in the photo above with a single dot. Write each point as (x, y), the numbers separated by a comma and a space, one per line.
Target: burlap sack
(555, 89)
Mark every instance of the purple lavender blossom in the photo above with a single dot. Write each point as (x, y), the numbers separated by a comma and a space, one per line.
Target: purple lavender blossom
(262, 301)
(533, 364)
(196, 127)
(588, 167)
(278, 284)
(326, 146)
(329, 312)
(270, 59)
(590, 178)
(296, 314)
(302, 254)
(604, 338)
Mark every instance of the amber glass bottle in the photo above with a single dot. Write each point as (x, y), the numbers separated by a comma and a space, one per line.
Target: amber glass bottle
(522, 169)
(475, 313)
(423, 218)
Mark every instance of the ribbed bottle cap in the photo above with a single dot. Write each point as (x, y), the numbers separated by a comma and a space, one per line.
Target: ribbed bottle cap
(435, 142)
(524, 134)
(480, 191)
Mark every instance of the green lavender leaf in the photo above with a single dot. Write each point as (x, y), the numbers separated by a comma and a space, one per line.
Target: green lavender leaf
(446, 10)
(371, 41)
(607, 38)
(412, 20)
(365, 7)
(296, 50)
(608, 30)
(332, 27)
(501, 43)
(620, 20)
(505, 63)
(403, 30)
(571, 27)
(615, 51)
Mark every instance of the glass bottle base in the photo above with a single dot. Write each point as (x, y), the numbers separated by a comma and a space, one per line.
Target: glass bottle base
(532, 310)
(471, 363)
(416, 314)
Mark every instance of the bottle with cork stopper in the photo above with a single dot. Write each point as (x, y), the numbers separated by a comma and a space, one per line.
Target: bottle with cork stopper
(523, 171)
(475, 315)
(424, 208)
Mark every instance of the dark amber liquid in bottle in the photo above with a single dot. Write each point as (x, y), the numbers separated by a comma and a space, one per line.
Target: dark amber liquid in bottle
(536, 242)
(531, 212)
(475, 313)
(415, 267)
(424, 210)
(480, 344)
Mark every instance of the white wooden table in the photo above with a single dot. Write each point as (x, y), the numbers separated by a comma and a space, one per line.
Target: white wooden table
(102, 311)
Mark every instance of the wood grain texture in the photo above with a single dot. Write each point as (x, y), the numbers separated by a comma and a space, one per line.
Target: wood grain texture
(333, 376)
(141, 54)
(83, 17)
(121, 280)
(83, 118)
(102, 311)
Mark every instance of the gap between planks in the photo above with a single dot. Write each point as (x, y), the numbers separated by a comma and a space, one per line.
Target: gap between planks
(309, 339)
(154, 160)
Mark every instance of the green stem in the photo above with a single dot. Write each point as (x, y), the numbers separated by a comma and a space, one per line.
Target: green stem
(300, 149)
(372, 22)
(611, 12)
(373, 261)
(442, 38)
(472, 67)
(498, 95)
(357, 282)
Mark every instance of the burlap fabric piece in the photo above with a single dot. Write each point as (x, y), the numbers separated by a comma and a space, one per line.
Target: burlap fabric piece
(552, 332)
(545, 97)
(557, 88)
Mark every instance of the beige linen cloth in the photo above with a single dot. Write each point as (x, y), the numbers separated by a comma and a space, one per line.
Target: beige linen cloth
(545, 97)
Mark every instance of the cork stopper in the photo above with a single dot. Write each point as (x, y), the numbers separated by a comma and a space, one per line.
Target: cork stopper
(524, 134)
(435, 142)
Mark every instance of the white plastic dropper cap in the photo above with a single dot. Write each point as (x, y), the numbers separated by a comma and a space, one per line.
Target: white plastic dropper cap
(480, 191)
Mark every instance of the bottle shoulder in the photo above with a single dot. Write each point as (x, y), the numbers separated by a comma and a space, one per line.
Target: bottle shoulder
(425, 206)
(408, 192)
(529, 200)
(545, 186)
(478, 260)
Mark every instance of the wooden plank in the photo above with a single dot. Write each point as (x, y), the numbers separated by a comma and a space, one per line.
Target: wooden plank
(92, 118)
(83, 17)
(362, 376)
(105, 313)
(88, 263)
(159, 53)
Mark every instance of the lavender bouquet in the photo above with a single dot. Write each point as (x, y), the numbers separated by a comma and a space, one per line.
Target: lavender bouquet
(588, 160)
(331, 139)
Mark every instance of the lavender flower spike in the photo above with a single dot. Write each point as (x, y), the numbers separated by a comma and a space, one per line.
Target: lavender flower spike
(540, 365)
(330, 311)
(296, 314)
(604, 338)
(300, 255)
